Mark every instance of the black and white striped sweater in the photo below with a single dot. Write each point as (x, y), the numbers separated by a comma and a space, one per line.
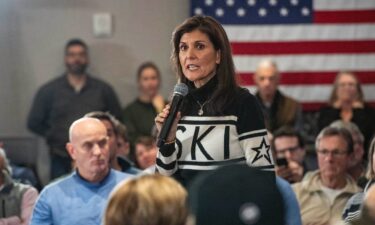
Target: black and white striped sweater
(208, 141)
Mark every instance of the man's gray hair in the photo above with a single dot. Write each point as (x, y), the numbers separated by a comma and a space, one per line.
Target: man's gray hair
(351, 127)
(267, 62)
(336, 131)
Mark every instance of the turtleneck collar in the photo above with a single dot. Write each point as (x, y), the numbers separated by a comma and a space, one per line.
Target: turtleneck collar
(204, 92)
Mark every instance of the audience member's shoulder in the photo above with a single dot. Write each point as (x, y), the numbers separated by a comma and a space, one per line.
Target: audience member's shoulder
(58, 183)
(26, 187)
(132, 105)
(99, 82)
(282, 183)
(289, 98)
(121, 175)
(306, 181)
(327, 109)
(53, 84)
(244, 96)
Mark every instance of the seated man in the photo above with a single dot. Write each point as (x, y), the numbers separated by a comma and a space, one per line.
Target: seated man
(288, 146)
(278, 109)
(292, 211)
(322, 194)
(17, 200)
(356, 166)
(81, 197)
(111, 124)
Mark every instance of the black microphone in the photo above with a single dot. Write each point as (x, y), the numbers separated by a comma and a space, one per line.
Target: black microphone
(180, 90)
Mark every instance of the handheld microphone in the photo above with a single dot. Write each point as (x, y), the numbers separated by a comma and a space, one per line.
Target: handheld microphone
(179, 92)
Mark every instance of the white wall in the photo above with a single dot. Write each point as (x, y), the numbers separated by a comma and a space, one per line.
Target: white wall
(34, 32)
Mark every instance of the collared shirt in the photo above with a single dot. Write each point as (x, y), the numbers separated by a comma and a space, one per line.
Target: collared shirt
(315, 207)
(73, 200)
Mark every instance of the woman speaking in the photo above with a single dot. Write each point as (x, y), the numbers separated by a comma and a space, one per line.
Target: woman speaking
(219, 122)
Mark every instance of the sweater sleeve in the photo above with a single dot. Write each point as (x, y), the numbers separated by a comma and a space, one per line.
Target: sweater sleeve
(166, 161)
(28, 201)
(13, 220)
(42, 213)
(253, 134)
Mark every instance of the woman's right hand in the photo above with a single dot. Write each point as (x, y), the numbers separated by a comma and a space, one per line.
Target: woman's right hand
(160, 119)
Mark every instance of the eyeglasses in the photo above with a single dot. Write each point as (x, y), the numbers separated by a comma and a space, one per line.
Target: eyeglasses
(335, 153)
(351, 85)
(291, 150)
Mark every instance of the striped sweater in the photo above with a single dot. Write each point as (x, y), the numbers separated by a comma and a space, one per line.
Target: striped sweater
(205, 142)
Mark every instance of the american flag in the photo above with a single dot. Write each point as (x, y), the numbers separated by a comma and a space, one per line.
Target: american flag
(309, 40)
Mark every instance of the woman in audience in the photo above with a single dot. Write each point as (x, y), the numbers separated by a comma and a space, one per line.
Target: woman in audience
(221, 123)
(352, 208)
(347, 104)
(147, 200)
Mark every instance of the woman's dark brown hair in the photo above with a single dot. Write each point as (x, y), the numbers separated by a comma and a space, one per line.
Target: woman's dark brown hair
(147, 65)
(225, 72)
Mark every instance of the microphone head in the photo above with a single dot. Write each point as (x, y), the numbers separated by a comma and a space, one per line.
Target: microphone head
(181, 89)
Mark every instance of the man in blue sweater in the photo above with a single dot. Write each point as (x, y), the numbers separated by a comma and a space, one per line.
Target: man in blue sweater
(80, 198)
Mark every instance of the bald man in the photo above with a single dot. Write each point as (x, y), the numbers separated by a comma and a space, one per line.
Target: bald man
(279, 110)
(81, 197)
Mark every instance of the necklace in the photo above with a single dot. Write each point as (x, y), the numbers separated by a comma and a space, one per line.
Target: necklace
(200, 111)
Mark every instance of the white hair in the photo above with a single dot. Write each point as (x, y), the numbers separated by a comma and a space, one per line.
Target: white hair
(74, 124)
(267, 63)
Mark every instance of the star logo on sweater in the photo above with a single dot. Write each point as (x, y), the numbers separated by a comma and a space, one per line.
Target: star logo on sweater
(262, 151)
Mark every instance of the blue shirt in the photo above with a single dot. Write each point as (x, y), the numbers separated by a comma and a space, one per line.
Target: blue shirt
(73, 200)
(291, 207)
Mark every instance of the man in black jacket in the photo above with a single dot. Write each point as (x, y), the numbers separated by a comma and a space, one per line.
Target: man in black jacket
(65, 99)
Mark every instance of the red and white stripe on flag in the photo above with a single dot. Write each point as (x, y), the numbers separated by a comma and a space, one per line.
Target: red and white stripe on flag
(341, 37)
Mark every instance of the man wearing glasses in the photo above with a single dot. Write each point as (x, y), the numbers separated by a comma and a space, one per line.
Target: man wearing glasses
(322, 194)
(291, 161)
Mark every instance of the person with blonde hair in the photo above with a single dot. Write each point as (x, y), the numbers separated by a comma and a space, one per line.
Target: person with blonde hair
(347, 104)
(147, 200)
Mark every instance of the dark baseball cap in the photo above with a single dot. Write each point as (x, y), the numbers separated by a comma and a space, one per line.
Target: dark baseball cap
(236, 195)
